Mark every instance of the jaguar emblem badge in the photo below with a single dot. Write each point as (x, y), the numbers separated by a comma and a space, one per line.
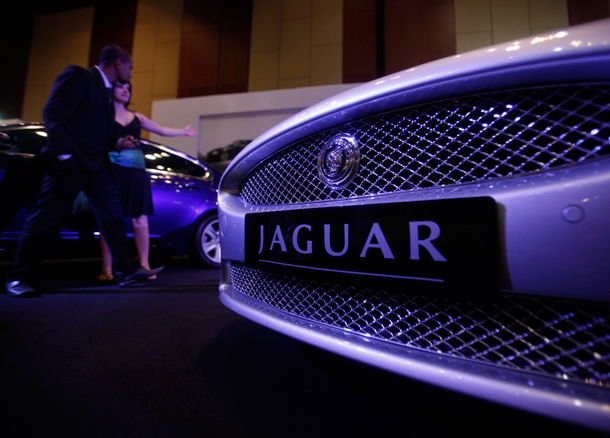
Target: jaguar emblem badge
(338, 161)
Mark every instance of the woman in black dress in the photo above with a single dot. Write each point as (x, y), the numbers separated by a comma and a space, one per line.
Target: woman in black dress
(129, 168)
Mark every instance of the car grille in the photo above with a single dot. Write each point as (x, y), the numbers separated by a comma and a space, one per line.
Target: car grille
(562, 339)
(447, 143)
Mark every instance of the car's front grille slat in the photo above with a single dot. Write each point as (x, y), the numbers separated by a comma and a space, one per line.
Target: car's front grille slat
(570, 341)
(446, 143)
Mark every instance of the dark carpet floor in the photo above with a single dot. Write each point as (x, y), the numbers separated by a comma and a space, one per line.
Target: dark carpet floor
(167, 359)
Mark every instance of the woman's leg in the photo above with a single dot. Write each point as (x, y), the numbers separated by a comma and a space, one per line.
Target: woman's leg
(106, 274)
(141, 236)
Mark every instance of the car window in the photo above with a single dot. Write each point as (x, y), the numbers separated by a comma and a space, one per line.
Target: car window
(5, 142)
(26, 141)
(160, 160)
(194, 170)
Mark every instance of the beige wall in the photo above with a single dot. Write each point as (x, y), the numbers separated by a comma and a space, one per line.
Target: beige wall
(156, 53)
(58, 40)
(480, 23)
(63, 39)
(296, 43)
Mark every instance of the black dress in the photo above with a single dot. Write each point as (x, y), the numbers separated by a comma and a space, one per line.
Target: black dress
(136, 196)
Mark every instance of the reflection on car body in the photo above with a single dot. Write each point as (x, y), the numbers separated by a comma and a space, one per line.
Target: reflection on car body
(448, 223)
(184, 196)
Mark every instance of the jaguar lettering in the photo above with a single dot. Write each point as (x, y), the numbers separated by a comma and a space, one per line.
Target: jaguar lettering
(411, 242)
(300, 240)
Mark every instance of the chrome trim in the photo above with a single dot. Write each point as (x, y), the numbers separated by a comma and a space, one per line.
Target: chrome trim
(585, 405)
(338, 161)
(580, 53)
(444, 143)
(526, 246)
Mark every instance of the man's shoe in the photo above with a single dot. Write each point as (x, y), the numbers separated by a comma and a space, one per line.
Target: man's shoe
(139, 276)
(20, 289)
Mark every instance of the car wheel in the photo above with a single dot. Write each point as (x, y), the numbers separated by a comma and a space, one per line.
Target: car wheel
(206, 247)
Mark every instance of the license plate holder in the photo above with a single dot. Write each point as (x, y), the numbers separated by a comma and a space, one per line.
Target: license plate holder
(447, 247)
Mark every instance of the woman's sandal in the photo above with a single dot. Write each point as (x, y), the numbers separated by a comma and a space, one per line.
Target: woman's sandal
(105, 277)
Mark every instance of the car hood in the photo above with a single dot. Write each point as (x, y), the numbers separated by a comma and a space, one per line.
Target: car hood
(518, 57)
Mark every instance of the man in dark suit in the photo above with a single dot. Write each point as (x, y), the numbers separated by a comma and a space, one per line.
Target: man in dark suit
(78, 119)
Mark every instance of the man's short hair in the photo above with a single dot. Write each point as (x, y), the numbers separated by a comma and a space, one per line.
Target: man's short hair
(111, 53)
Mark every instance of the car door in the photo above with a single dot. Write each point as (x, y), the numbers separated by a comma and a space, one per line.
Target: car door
(20, 179)
(182, 191)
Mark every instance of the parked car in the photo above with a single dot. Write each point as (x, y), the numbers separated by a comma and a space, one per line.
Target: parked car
(221, 157)
(449, 223)
(184, 197)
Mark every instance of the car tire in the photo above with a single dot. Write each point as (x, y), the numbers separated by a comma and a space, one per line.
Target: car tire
(206, 244)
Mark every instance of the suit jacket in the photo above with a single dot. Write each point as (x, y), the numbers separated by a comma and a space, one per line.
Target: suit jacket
(78, 117)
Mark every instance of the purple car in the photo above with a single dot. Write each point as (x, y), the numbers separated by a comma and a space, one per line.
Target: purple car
(184, 194)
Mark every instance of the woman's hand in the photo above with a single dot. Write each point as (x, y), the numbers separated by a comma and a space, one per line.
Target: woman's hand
(128, 142)
(189, 132)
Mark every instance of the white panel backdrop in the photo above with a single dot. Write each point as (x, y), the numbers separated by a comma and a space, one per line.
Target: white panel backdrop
(222, 119)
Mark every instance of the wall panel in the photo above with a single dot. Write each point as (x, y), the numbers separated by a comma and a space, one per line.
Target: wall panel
(437, 30)
(215, 47)
(583, 11)
(113, 23)
(359, 41)
(413, 32)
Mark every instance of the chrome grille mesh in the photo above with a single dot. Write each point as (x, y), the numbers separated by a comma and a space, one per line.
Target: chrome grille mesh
(447, 143)
(537, 335)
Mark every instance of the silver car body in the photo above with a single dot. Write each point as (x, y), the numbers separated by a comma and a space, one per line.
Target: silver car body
(553, 219)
